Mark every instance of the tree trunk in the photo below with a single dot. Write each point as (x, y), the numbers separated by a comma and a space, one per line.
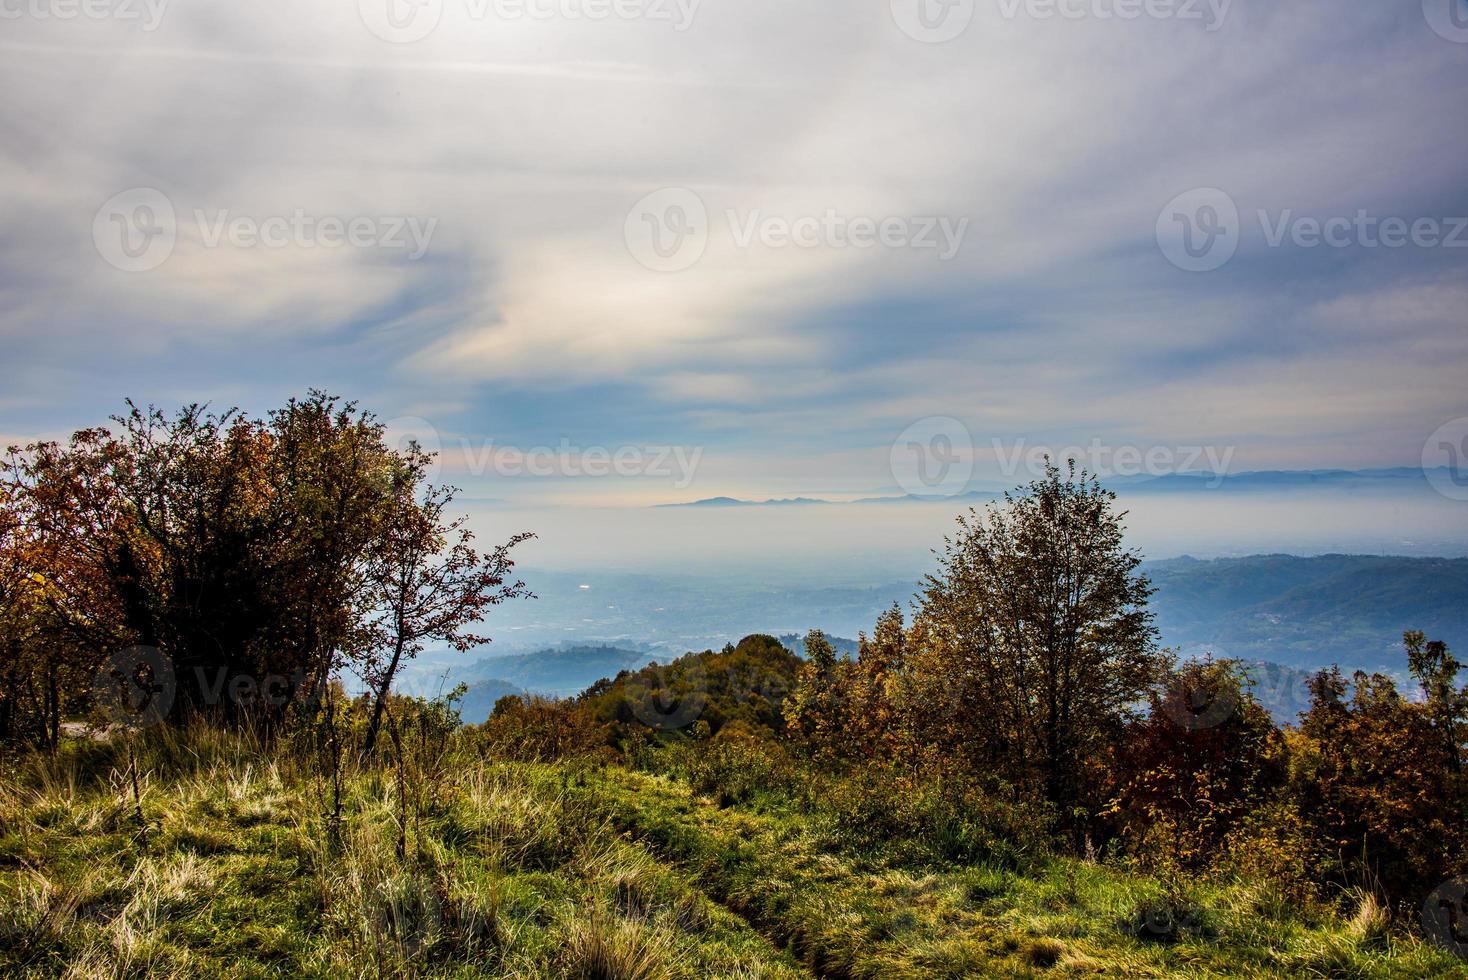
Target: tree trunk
(53, 708)
(375, 724)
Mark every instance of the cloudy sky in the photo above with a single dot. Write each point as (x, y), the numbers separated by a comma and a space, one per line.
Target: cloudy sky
(774, 236)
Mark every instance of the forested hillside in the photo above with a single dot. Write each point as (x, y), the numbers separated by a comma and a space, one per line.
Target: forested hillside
(1309, 612)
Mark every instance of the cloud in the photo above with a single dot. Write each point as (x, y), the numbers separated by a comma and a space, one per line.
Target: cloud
(526, 142)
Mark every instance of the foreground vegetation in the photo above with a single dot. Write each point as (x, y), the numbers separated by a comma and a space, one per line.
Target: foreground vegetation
(1016, 780)
(229, 860)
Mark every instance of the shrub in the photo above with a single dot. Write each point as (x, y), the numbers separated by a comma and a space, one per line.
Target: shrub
(944, 816)
(533, 729)
(1204, 757)
(737, 764)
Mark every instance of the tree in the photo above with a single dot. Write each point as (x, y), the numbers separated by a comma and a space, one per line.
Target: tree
(1204, 757)
(428, 583)
(246, 556)
(1377, 779)
(820, 652)
(68, 579)
(1436, 671)
(1037, 624)
(852, 709)
(813, 709)
(335, 475)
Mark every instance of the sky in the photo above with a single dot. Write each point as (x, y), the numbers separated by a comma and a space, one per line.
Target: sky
(615, 253)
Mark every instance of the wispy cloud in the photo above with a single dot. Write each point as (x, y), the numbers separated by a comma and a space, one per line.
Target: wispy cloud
(529, 317)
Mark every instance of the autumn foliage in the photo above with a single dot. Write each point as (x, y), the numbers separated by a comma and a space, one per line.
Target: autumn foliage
(219, 565)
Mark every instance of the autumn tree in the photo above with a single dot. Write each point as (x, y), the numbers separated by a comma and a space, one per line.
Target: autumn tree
(1377, 775)
(1036, 623)
(853, 709)
(427, 583)
(813, 709)
(69, 577)
(247, 555)
(1201, 760)
(334, 476)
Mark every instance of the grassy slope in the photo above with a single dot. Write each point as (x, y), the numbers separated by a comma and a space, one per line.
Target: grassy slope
(530, 871)
(849, 914)
(235, 879)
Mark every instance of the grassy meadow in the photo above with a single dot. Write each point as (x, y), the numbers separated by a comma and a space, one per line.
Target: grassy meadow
(229, 857)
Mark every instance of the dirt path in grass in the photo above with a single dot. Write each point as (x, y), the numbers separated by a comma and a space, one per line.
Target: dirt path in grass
(836, 919)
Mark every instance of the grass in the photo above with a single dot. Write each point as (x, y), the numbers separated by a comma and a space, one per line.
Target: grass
(849, 913)
(567, 870)
(236, 872)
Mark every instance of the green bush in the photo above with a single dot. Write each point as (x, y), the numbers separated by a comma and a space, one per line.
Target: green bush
(948, 817)
(737, 765)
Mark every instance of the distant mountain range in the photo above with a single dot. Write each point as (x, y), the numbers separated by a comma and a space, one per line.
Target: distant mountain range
(557, 672)
(1310, 612)
(735, 502)
(1300, 614)
(1402, 477)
